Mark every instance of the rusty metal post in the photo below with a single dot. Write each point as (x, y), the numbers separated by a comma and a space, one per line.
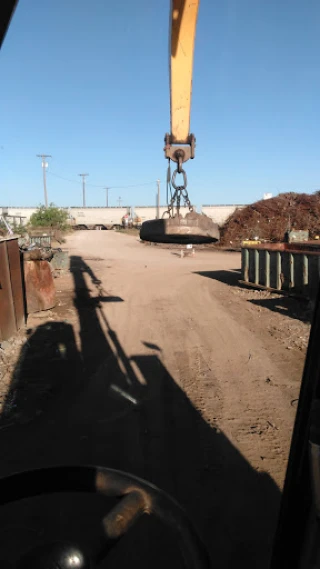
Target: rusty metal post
(245, 265)
(305, 272)
(291, 263)
(278, 286)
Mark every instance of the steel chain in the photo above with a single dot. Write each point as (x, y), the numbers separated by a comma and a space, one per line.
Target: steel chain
(180, 192)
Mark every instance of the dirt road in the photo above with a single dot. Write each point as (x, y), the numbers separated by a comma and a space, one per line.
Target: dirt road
(162, 366)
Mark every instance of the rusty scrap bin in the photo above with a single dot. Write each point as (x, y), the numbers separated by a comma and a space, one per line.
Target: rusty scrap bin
(39, 284)
(287, 267)
(12, 309)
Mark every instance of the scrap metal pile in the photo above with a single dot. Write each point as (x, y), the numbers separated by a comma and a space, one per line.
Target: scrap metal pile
(270, 219)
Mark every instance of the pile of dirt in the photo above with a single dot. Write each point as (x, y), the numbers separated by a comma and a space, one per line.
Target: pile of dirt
(270, 219)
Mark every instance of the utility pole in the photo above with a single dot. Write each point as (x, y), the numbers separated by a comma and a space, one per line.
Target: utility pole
(158, 200)
(107, 196)
(44, 167)
(119, 201)
(83, 188)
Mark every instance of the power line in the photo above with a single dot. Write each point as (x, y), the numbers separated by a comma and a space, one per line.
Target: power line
(122, 187)
(101, 186)
(63, 178)
(132, 186)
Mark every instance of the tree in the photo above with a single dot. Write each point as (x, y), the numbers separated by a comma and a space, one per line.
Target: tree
(51, 216)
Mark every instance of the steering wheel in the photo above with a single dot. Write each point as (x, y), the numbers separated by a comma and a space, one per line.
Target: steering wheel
(137, 497)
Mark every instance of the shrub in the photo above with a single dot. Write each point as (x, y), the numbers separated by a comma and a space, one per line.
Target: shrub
(51, 216)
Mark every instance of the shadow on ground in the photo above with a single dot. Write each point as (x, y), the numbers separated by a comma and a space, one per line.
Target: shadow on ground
(296, 308)
(230, 277)
(97, 405)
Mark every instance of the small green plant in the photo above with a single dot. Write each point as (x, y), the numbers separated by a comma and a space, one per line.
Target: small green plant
(51, 216)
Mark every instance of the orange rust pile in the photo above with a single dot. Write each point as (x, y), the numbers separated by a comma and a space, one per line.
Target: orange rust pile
(270, 219)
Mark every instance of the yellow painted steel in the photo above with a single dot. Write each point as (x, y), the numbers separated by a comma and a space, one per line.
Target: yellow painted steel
(184, 15)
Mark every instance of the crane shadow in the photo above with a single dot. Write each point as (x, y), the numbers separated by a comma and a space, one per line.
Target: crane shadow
(94, 404)
(296, 308)
(230, 277)
(292, 307)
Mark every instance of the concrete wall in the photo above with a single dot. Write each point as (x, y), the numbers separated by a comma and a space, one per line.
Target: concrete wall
(96, 215)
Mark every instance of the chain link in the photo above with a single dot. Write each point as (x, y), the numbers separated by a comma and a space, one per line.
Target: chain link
(185, 179)
(180, 193)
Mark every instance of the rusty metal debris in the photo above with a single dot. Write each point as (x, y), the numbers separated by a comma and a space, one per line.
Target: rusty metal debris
(271, 219)
(38, 255)
(41, 264)
(12, 314)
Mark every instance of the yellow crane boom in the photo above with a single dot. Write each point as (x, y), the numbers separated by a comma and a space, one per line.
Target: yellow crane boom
(184, 15)
(180, 143)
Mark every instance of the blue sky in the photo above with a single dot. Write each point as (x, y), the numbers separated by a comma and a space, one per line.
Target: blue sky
(87, 82)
